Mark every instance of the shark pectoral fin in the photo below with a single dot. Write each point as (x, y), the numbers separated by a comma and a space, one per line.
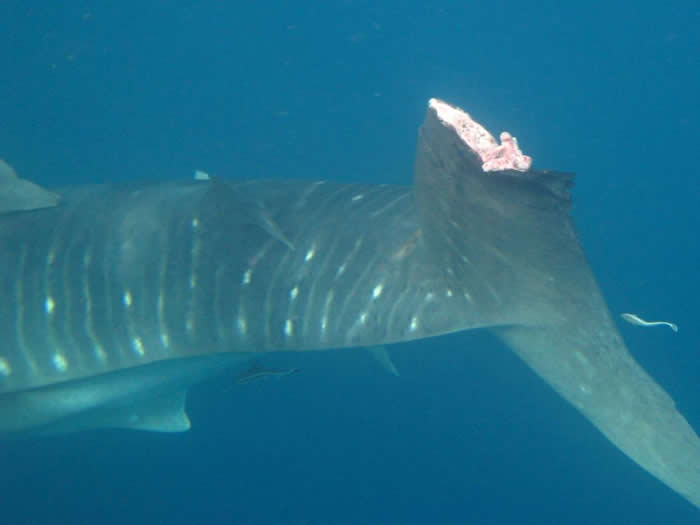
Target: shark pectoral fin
(21, 195)
(381, 355)
(165, 413)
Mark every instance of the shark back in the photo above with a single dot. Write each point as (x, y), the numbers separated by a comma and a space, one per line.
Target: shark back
(114, 278)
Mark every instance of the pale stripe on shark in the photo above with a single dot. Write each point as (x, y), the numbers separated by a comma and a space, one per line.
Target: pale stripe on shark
(221, 331)
(100, 354)
(327, 304)
(161, 300)
(116, 351)
(19, 320)
(58, 357)
(130, 312)
(195, 253)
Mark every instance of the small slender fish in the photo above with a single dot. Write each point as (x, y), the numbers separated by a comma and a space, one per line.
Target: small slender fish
(635, 319)
(257, 371)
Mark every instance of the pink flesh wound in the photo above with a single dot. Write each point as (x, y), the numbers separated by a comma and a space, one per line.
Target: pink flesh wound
(494, 156)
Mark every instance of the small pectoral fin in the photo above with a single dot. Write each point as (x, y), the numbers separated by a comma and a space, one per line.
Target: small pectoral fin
(381, 355)
(21, 195)
(165, 413)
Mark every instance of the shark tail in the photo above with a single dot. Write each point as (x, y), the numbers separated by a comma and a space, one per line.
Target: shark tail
(597, 375)
(495, 224)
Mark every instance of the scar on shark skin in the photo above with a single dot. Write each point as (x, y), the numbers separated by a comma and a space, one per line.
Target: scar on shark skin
(635, 319)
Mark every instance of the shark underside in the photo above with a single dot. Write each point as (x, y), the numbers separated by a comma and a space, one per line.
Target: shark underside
(115, 300)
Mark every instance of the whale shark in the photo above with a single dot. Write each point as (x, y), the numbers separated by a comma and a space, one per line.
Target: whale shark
(115, 299)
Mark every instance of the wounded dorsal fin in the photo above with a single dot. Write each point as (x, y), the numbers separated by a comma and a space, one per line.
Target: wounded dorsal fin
(21, 195)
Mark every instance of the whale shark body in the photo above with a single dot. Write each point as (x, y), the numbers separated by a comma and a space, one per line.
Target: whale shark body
(116, 299)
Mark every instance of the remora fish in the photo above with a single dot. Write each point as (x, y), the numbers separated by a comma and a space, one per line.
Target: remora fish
(114, 300)
(636, 320)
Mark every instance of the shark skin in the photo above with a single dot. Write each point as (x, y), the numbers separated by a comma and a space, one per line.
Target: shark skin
(114, 300)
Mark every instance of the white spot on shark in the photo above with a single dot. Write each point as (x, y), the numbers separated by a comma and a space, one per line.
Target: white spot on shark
(310, 254)
(100, 354)
(137, 345)
(49, 305)
(293, 293)
(288, 328)
(414, 324)
(377, 291)
(127, 299)
(242, 325)
(246, 276)
(358, 197)
(59, 362)
(195, 223)
(5, 368)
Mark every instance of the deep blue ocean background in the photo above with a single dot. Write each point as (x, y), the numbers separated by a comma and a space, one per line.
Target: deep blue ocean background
(114, 91)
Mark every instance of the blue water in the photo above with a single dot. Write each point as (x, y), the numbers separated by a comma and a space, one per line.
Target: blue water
(337, 89)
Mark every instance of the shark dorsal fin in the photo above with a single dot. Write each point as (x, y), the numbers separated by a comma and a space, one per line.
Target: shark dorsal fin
(251, 211)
